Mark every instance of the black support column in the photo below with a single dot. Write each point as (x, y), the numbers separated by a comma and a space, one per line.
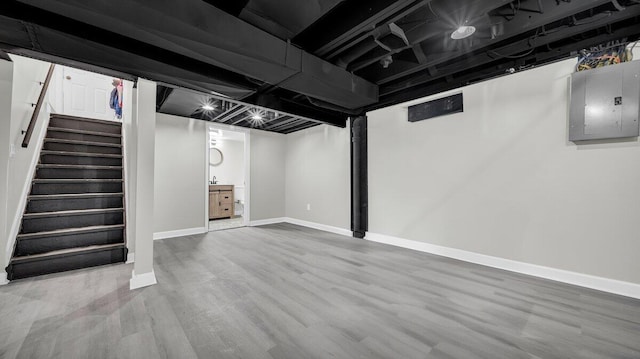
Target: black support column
(359, 178)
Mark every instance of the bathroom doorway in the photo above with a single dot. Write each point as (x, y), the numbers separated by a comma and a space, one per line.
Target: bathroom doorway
(227, 178)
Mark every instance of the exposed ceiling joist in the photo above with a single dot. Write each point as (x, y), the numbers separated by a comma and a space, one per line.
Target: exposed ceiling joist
(439, 51)
(280, 123)
(234, 110)
(223, 41)
(351, 56)
(102, 51)
(232, 7)
(98, 48)
(345, 21)
(630, 28)
(300, 127)
(512, 50)
(186, 103)
(347, 44)
(239, 120)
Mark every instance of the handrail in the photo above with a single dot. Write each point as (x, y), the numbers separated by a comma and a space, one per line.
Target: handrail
(36, 111)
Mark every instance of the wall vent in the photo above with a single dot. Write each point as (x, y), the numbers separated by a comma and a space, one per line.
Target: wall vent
(440, 107)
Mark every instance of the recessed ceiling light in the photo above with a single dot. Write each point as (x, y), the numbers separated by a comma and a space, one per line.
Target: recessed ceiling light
(463, 32)
(257, 117)
(208, 107)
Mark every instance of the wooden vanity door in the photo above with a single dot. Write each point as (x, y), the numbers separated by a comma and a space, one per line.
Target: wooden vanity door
(214, 205)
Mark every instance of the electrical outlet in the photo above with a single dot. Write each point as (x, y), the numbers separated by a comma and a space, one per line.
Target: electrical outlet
(308, 206)
(12, 150)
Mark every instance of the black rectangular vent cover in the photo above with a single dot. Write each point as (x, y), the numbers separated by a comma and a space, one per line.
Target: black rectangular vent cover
(440, 107)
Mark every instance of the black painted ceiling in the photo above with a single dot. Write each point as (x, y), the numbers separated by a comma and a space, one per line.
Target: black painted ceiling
(323, 60)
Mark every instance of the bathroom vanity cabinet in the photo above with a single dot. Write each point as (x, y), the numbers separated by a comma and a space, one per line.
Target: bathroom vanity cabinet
(221, 201)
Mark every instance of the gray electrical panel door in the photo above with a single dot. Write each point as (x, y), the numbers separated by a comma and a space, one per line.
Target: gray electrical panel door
(604, 102)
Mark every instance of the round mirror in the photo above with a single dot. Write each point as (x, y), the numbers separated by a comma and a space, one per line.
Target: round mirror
(215, 157)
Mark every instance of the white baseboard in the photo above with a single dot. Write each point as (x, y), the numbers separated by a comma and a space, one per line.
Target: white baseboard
(179, 233)
(583, 280)
(142, 280)
(3, 279)
(319, 226)
(299, 222)
(264, 222)
(131, 258)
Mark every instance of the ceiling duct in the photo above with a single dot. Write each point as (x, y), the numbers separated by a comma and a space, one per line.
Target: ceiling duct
(197, 31)
(391, 37)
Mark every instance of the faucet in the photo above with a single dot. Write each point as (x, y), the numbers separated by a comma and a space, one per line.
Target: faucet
(214, 180)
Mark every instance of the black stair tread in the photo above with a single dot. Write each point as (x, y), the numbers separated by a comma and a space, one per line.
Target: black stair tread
(85, 143)
(78, 167)
(66, 252)
(75, 212)
(86, 119)
(76, 180)
(78, 154)
(58, 232)
(72, 196)
(84, 132)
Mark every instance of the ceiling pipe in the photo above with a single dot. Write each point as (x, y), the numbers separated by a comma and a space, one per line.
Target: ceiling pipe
(355, 52)
(422, 32)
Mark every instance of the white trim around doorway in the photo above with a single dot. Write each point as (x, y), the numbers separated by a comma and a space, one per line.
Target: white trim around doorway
(247, 172)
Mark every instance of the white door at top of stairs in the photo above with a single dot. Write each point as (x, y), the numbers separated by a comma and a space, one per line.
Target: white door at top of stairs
(86, 94)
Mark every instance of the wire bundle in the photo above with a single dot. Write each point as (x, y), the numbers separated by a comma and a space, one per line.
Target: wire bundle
(599, 57)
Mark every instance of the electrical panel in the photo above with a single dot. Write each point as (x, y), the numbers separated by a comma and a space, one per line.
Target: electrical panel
(605, 102)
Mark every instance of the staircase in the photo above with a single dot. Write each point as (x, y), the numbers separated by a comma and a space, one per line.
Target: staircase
(74, 216)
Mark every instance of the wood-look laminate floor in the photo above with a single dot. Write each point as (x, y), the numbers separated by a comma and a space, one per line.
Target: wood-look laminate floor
(283, 291)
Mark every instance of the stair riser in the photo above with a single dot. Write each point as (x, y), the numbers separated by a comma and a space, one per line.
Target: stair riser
(79, 160)
(73, 188)
(68, 147)
(54, 243)
(82, 137)
(71, 173)
(62, 264)
(33, 225)
(54, 205)
(85, 125)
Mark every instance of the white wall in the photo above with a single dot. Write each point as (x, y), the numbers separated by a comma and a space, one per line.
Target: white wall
(27, 75)
(231, 170)
(6, 80)
(180, 170)
(145, 123)
(318, 174)
(267, 175)
(501, 179)
(181, 178)
(130, 147)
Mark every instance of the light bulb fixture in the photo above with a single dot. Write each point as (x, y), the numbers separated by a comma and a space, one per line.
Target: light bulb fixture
(256, 117)
(208, 107)
(463, 32)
